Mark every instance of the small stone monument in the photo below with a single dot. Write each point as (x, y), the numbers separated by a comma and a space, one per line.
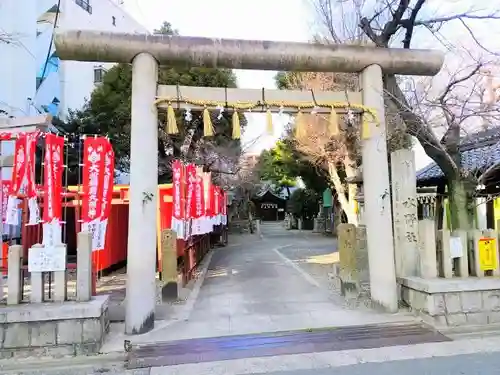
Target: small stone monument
(170, 288)
(352, 273)
(319, 220)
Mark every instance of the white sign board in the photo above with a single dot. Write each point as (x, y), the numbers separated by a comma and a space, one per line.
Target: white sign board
(456, 250)
(47, 259)
(269, 205)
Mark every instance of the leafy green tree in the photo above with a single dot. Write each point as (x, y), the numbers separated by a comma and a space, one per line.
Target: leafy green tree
(283, 164)
(166, 29)
(278, 167)
(108, 112)
(303, 203)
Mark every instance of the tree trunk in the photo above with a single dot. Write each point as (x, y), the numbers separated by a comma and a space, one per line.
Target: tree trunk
(347, 202)
(461, 217)
(352, 190)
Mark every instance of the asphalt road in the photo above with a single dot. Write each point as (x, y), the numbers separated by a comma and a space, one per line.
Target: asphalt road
(473, 364)
(314, 253)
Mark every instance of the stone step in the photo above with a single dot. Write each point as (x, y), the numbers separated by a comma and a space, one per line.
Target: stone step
(279, 343)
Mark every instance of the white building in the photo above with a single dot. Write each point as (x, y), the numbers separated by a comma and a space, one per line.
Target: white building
(34, 80)
(66, 85)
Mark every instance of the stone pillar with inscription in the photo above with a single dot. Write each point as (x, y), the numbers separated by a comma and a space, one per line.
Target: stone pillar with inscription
(352, 271)
(405, 219)
(37, 282)
(60, 277)
(84, 267)
(14, 290)
(170, 289)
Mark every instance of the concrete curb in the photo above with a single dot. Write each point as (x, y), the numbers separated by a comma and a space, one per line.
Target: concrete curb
(191, 299)
(193, 296)
(330, 360)
(81, 363)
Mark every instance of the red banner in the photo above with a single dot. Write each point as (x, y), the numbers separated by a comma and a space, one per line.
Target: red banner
(5, 198)
(208, 193)
(30, 164)
(199, 204)
(106, 196)
(19, 167)
(94, 156)
(190, 191)
(178, 199)
(109, 173)
(216, 199)
(24, 168)
(177, 191)
(52, 188)
(53, 172)
(17, 179)
(93, 177)
(31, 193)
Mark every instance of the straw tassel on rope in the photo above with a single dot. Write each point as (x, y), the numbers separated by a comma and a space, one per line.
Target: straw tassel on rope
(333, 125)
(269, 122)
(208, 128)
(171, 121)
(236, 125)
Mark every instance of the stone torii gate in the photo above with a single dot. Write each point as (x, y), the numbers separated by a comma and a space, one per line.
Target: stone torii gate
(146, 52)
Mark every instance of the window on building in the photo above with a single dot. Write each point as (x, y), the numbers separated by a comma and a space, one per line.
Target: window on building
(85, 5)
(113, 19)
(98, 74)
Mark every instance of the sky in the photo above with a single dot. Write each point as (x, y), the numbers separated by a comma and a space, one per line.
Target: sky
(280, 20)
(256, 19)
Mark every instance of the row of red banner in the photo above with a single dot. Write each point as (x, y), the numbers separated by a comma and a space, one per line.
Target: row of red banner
(98, 180)
(97, 186)
(198, 205)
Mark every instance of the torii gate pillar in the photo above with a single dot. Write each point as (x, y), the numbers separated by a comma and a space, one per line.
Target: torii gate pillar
(378, 217)
(141, 254)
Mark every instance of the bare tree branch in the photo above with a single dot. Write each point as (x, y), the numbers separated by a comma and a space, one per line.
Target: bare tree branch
(411, 23)
(453, 17)
(439, 111)
(6, 38)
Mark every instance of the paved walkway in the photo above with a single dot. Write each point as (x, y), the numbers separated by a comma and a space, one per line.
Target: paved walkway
(276, 283)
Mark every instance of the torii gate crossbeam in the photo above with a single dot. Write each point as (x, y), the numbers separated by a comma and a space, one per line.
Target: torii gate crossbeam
(146, 52)
(244, 54)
